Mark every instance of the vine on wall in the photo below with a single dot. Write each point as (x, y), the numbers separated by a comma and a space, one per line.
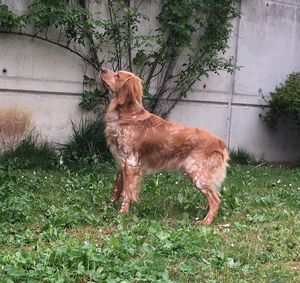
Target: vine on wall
(190, 42)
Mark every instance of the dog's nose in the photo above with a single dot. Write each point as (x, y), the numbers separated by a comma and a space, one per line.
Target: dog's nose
(104, 70)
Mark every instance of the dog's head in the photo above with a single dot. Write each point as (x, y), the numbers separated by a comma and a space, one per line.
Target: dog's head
(126, 86)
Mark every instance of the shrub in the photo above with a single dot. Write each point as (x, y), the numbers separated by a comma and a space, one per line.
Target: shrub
(285, 102)
(14, 125)
(31, 153)
(242, 157)
(87, 141)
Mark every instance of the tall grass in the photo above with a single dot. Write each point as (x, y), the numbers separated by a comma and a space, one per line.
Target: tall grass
(31, 153)
(14, 125)
(87, 141)
(242, 157)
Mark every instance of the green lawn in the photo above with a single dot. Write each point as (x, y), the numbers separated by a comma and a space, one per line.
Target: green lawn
(58, 226)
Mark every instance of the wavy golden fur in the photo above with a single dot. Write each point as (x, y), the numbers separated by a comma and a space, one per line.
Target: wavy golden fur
(142, 143)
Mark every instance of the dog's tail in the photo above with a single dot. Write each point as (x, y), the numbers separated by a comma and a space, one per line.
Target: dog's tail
(221, 158)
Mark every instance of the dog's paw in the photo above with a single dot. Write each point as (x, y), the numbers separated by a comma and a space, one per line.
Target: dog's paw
(205, 221)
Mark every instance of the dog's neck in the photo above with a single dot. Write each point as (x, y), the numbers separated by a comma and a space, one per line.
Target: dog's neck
(115, 110)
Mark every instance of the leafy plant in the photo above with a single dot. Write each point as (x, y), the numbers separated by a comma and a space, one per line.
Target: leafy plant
(285, 102)
(87, 141)
(242, 157)
(8, 19)
(189, 42)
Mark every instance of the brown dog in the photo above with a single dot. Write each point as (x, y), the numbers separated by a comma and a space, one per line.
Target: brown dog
(142, 143)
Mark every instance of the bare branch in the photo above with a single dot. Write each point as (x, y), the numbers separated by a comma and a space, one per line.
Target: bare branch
(112, 17)
(153, 67)
(167, 76)
(95, 56)
(128, 42)
(88, 60)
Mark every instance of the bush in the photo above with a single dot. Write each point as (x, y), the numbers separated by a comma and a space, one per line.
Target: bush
(242, 157)
(87, 141)
(15, 124)
(31, 153)
(285, 102)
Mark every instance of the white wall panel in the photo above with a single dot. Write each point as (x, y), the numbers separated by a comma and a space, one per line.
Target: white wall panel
(211, 117)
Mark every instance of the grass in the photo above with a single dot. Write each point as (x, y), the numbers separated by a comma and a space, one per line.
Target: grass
(58, 226)
(30, 153)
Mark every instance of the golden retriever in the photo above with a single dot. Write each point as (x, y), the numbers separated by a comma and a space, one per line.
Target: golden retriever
(142, 143)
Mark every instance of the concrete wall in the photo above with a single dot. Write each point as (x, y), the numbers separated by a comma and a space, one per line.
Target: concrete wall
(265, 42)
(42, 79)
(47, 81)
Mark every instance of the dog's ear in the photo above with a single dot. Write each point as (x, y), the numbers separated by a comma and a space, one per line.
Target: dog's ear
(131, 92)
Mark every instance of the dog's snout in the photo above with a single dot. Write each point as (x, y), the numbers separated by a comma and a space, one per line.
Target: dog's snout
(104, 70)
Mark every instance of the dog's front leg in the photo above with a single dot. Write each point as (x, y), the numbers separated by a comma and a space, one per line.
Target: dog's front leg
(118, 187)
(131, 180)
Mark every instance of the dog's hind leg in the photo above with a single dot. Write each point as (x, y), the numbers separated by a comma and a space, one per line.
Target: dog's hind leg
(213, 200)
(207, 174)
(205, 186)
(118, 187)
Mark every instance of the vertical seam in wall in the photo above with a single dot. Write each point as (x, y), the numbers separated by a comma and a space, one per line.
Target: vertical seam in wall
(230, 99)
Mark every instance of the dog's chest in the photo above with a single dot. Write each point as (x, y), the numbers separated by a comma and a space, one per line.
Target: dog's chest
(112, 129)
(112, 132)
(117, 135)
